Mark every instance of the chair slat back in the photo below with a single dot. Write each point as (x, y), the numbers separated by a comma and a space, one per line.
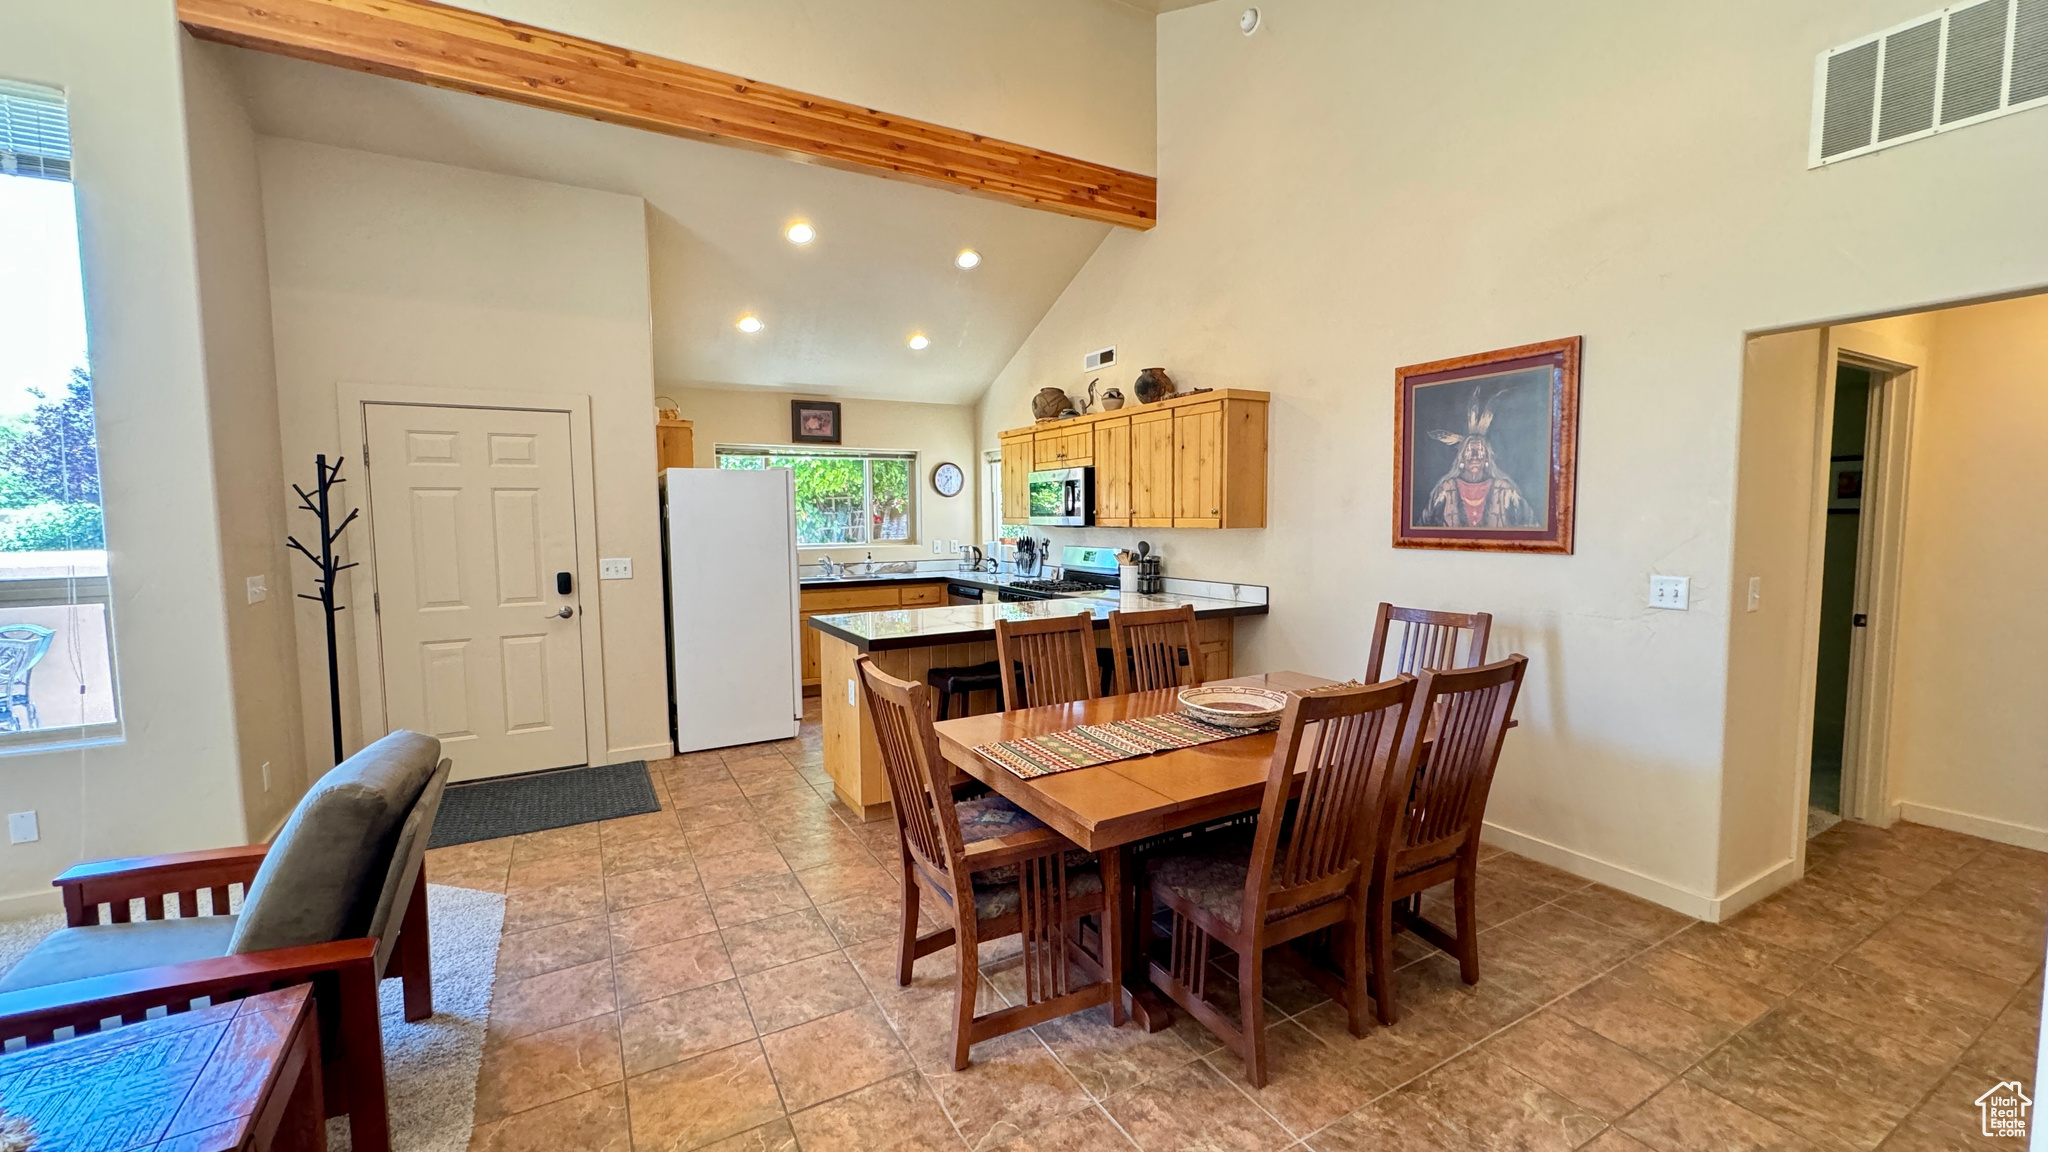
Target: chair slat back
(1443, 798)
(1154, 649)
(918, 776)
(1426, 640)
(1340, 740)
(1050, 660)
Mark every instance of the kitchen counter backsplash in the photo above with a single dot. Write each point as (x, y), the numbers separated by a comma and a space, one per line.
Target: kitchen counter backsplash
(812, 576)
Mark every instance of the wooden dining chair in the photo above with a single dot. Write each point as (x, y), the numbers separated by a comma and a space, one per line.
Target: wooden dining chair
(1049, 660)
(1154, 649)
(1430, 817)
(1296, 873)
(1426, 640)
(997, 871)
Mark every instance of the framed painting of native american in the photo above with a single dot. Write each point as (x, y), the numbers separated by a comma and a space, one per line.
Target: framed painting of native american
(1485, 450)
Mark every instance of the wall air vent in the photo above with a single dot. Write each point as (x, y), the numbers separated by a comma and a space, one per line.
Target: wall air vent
(1097, 361)
(1961, 65)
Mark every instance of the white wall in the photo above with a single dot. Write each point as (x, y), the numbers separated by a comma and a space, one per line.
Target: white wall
(170, 782)
(249, 483)
(1360, 187)
(936, 432)
(1968, 724)
(390, 271)
(1070, 76)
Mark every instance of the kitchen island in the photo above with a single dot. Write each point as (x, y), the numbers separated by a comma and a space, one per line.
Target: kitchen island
(907, 643)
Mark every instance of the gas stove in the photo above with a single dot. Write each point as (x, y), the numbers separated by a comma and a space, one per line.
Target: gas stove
(1056, 587)
(1083, 571)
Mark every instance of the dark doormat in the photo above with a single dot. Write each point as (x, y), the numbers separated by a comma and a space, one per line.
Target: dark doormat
(488, 809)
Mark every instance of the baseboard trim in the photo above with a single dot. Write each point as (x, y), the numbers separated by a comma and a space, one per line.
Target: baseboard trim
(1634, 883)
(661, 751)
(27, 904)
(1755, 888)
(1982, 827)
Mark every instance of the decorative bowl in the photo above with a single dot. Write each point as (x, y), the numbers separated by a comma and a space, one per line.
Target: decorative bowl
(1233, 707)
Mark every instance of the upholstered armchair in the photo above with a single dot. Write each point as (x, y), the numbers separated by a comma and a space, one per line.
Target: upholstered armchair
(339, 898)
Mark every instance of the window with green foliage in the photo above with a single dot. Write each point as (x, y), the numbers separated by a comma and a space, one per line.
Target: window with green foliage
(56, 633)
(843, 497)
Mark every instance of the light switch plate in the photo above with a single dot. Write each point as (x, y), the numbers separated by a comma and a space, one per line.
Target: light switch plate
(1756, 593)
(257, 592)
(1671, 592)
(615, 568)
(21, 828)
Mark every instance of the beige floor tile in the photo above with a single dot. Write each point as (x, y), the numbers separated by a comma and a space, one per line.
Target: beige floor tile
(1310, 1081)
(1396, 1053)
(666, 850)
(1751, 961)
(526, 954)
(552, 999)
(803, 991)
(645, 925)
(1948, 1120)
(777, 940)
(1579, 1064)
(2010, 1045)
(1483, 1096)
(751, 900)
(834, 1055)
(701, 1101)
(648, 885)
(684, 1026)
(532, 908)
(1014, 1085)
(1637, 918)
(1806, 921)
(857, 919)
(1090, 1130)
(1949, 945)
(554, 842)
(739, 866)
(1905, 1010)
(1687, 1118)
(1194, 1109)
(1396, 1122)
(1701, 990)
(1628, 1015)
(666, 969)
(819, 848)
(1108, 1060)
(896, 1115)
(529, 1071)
(592, 1122)
(831, 882)
(1614, 1140)
(775, 1137)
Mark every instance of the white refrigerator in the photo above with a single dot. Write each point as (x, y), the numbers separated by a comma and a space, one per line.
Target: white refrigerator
(735, 672)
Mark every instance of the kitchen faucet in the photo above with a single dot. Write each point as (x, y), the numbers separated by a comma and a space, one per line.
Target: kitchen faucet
(826, 569)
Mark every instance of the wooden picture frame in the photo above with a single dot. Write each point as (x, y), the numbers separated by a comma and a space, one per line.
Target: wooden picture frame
(814, 422)
(1486, 450)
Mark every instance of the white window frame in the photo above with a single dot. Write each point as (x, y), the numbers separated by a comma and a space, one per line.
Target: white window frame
(913, 514)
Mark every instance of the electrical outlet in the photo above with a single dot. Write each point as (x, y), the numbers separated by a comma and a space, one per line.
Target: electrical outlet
(257, 592)
(21, 828)
(1671, 592)
(266, 775)
(1756, 593)
(852, 693)
(615, 568)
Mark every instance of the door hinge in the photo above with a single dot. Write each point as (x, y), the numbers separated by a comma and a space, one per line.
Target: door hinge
(1860, 620)
(376, 603)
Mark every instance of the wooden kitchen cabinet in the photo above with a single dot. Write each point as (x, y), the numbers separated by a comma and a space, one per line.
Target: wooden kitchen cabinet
(1113, 473)
(1017, 464)
(1194, 461)
(875, 598)
(675, 444)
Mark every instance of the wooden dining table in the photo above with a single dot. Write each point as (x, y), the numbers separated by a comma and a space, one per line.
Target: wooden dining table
(1109, 807)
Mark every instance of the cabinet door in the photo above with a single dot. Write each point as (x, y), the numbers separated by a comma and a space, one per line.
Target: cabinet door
(1079, 447)
(924, 595)
(1016, 480)
(1152, 470)
(810, 649)
(1113, 473)
(1047, 449)
(1198, 466)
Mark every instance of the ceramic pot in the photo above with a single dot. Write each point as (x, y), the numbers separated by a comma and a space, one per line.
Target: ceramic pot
(1153, 384)
(1049, 403)
(1112, 400)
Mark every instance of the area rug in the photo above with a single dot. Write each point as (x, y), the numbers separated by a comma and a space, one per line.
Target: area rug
(17, 937)
(512, 805)
(430, 1067)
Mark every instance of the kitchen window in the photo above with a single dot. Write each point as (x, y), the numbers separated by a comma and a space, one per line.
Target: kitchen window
(57, 681)
(844, 497)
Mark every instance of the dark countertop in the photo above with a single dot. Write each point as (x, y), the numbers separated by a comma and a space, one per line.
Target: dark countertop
(972, 579)
(969, 623)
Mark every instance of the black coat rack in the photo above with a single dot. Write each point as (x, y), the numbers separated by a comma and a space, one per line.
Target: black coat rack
(316, 503)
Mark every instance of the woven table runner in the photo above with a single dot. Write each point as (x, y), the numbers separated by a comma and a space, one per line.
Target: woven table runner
(1093, 744)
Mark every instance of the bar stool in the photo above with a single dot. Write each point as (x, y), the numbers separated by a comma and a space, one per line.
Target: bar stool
(951, 682)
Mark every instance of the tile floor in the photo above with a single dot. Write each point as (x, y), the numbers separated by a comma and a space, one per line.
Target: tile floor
(719, 975)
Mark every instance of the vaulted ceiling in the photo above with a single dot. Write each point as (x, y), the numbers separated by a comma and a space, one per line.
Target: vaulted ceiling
(837, 311)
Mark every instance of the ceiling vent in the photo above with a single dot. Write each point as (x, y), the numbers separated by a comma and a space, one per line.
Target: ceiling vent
(1949, 69)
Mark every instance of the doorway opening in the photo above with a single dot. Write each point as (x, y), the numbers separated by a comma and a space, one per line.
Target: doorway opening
(1839, 615)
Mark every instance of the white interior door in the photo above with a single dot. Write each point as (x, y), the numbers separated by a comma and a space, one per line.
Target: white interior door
(473, 518)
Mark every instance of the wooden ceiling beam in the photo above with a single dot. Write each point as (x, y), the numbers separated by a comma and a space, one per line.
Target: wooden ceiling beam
(449, 47)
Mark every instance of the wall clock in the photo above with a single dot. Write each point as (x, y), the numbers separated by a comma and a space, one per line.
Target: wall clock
(947, 479)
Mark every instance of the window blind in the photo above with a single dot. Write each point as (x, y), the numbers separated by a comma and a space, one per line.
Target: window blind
(35, 132)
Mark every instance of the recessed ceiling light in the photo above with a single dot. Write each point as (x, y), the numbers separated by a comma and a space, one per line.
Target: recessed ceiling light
(919, 342)
(1248, 23)
(801, 233)
(749, 324)
(967, 258)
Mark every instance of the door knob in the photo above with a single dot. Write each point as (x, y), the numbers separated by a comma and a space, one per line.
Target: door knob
(564, 614)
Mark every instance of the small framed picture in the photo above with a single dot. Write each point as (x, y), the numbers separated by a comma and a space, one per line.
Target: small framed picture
(1845, 484)
(1486, 450)
(814, 421)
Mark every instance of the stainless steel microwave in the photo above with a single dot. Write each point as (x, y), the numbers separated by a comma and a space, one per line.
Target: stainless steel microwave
(1063, 496)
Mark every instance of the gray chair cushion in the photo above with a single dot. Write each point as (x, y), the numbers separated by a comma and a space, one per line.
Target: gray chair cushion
(323, 874)
(77, 953)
